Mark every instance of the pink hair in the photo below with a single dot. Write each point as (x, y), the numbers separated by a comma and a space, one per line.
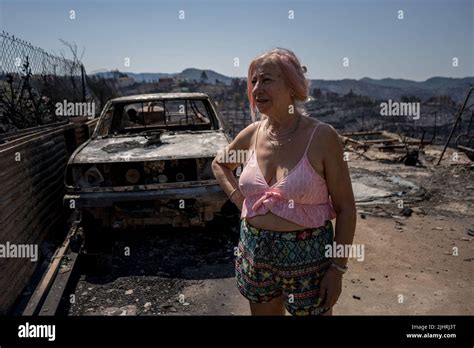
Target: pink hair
(293, 75)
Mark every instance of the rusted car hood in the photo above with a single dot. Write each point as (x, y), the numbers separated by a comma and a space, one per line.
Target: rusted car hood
(140, 148)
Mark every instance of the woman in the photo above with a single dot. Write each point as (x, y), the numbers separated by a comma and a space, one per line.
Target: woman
(294, 182)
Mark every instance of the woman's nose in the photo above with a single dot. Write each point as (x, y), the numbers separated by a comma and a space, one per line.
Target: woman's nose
(256, 88)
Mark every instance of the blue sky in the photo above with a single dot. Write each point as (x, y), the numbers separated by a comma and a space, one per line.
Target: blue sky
(214, 32)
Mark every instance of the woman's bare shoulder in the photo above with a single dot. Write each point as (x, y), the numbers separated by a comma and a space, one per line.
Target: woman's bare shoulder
(251, 128)
(326, 130)
(326, 138)
(249, 131)
(323, 129)
(244, 138)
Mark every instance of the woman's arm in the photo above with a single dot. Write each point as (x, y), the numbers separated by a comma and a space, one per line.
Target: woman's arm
(340, 189)
(223, 170)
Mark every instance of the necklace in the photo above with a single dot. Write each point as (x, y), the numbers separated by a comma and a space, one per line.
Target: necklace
(275, 139)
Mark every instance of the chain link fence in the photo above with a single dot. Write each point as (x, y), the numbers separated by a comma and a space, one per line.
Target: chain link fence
(32, 81)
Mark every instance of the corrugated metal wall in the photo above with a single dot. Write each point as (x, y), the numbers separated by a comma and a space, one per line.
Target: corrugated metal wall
(31, 191)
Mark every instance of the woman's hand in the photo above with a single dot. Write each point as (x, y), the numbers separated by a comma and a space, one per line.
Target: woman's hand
(330, 288)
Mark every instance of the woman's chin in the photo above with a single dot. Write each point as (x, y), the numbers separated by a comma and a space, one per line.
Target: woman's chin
(263, 109)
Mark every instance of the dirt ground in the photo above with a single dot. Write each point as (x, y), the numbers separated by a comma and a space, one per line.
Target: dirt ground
(418, 258)
(415, 262)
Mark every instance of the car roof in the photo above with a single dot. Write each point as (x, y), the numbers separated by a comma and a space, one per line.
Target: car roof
(159, 96)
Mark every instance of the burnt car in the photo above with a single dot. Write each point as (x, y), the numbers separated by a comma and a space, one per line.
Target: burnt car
(148, 163)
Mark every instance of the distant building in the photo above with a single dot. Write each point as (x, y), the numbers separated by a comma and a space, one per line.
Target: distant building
(165, 82)
(125, 81)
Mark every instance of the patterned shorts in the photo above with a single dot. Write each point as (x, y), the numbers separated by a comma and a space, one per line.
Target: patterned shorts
(271, 264)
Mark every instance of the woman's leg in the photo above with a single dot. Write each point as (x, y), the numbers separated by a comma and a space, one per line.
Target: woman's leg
(301, 280)
(273, 307)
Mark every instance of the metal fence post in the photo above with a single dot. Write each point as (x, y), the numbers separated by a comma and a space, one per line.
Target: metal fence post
(83, 79)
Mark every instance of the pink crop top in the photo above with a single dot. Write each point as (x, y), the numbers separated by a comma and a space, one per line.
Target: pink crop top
(300, 197)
